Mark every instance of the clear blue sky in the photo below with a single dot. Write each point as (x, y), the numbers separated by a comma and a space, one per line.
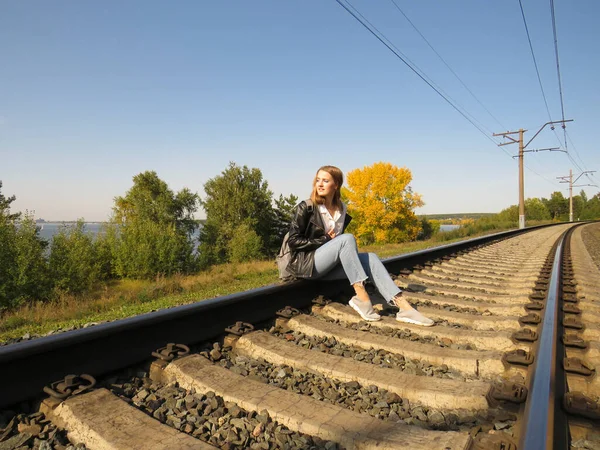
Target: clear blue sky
(92, 93)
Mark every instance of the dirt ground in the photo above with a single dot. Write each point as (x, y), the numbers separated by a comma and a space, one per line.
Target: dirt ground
(591, 238)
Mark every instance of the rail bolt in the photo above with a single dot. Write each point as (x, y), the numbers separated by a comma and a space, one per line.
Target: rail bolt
(582, 405)
(525, 335)
(507, 392)
(70, 385)
(572, 340)
(321, 300)
(578, 366)
(492, 442)
(171, 351)
(571, 309)
(519, 357)
(530, 319)
(288, 312)
(240, 328)
(534, 306)
(573, 322)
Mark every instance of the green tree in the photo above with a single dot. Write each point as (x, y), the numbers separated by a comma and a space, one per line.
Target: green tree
(428, 229)
(536, 210)
(32, 280)
(284, 212)
(145, 249)
(74, 263)
(151, 230)
(237, 196)
(592, 208)
(245, 245)
(510, 214)
(23, 265)
(5, 206)
(8, 256)
(151, 199)
(558, 206)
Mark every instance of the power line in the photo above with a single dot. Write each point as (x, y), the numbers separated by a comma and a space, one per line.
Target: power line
(562, 105)
(574, 148)
(535, 61)
(390, 46)
(446, 64)
(381, 38)
(537, 71)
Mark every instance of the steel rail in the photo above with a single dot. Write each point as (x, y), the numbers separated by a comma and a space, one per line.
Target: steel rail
(544, 421)
(27, 366)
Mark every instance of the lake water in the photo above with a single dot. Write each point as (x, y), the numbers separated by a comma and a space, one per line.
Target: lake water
(449, 227)
(49, 229)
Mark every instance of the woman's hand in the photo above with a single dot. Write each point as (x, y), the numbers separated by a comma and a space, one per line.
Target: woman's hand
(331, 233)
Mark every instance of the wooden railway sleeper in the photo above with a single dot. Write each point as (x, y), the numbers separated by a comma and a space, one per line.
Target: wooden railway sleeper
(70, 385)
(580, 404)
(578, 366)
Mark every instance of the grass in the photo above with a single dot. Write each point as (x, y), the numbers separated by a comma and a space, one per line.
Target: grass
(126, 298)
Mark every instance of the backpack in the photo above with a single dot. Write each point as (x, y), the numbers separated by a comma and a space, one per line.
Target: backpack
(285, 254)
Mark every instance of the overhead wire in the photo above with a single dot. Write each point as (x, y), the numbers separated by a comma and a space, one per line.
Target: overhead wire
(391, 47)
(446, 64)
(562, 104)
(565, 146)
(575, 148)
(537, 71)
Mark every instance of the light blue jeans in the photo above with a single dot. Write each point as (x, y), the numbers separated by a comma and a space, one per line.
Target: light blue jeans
(339, 259)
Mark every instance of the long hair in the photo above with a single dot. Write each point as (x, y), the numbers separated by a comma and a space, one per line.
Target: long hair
(338, 179)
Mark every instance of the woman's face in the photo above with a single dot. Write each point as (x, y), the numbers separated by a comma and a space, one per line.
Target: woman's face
(325, 184)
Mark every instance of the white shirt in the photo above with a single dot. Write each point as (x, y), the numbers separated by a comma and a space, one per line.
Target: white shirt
(336, 222)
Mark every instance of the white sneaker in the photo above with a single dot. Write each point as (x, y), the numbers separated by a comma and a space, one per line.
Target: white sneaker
(364, 309)
(415, 317)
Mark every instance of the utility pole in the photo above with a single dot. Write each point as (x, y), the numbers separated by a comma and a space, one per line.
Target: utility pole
(507, 135)
(570, 181)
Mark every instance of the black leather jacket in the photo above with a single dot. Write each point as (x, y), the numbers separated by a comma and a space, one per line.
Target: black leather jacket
(307, 233)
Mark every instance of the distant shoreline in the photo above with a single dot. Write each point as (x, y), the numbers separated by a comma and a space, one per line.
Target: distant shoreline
(64, 221)
(42, 221)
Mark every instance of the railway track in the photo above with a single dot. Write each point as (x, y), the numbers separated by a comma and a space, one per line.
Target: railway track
(489, 375)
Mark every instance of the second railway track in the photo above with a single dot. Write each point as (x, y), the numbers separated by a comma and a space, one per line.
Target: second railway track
(319, 377)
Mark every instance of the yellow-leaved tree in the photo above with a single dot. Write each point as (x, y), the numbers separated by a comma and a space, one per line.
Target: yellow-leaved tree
(382, 204)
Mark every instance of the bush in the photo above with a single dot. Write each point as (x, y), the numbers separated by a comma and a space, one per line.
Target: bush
(245, 245)
(428, 229)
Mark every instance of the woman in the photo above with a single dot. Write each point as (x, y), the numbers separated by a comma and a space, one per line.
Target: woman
(319, 249)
